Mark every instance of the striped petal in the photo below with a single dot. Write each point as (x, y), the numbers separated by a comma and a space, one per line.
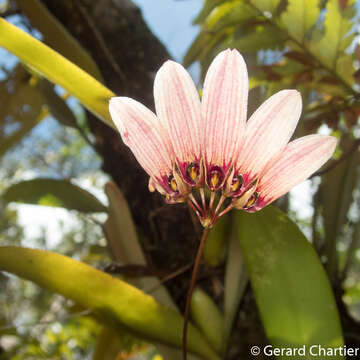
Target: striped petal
(224, 107)
(268, 130)
(178, 108)
(142, 133)
(295, 163)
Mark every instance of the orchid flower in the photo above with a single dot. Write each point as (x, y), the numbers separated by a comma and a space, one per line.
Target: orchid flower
(191, 148)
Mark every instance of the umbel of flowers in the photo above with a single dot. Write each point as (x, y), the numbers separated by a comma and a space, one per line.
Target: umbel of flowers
(207, 153)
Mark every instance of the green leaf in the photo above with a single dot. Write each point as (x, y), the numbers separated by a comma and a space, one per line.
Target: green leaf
(299, 17)
(336, 194)
(230, 14)
(210, 36)
(52, 192)
(337, 38)
(56, 104)
(263, 37)
(120, 229)
(219, 13)
(209, 6)
(50, 64)
(109, 344)
(112, 300)
(214, 249)
(266, 5)
(236, 279)
(56, 36)
(21, 108)
(291, 288)
(208, 317)
(203, 45)
(125, 248)
(345, 68)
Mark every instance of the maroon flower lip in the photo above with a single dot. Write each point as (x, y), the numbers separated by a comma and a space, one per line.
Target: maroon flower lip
(206, 153)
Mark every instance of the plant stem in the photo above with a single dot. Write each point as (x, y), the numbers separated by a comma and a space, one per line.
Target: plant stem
(191, 289)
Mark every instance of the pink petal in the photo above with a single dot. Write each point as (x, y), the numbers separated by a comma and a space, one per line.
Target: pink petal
(224, 107)
(178, 107)
(141, 131)
(268, 130)
(295, 163)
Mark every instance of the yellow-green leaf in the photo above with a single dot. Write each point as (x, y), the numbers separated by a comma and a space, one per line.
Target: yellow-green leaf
(126, 249)
(263, 37)
(214, 249)
(266, 5)
(230, 14)
(53, 192)
(299, 17)
(56, 36)
(208, 317)
(209, 5)
(21, 108)
(112, 300)
(337, 27)
(50, 64)
(56, 104)
(292, 291)
(236, 279)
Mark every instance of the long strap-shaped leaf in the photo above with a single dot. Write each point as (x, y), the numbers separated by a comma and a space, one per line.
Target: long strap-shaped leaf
(112, 299)
(291, 288)
(50, 64)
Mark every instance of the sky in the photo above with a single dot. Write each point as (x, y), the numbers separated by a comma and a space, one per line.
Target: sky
(175, 31)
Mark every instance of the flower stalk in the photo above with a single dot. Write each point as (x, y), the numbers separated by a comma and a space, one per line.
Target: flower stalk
(191, 289)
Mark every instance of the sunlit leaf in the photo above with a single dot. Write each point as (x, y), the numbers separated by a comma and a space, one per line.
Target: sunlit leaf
(214, 249)
(266, 5)
(208, 317)
(53, 192)
(209, 5)
(337, 38)
(203, 46)
(230, 14)
(126, 249)
(112, 300)
(264, 37)
(291, 288)
(236, 279)
(345, 68)
(50, 64)
(299, 17)
(109, 344)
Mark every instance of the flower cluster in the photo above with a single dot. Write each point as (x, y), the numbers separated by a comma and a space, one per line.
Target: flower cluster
(205, 153)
